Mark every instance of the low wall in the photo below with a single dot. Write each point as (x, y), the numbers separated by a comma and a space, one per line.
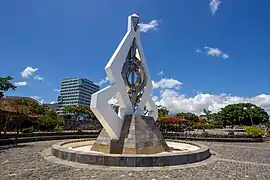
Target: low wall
(216, 139)
(62, 133)
(76, 135)
(61, 151)
(47, 138)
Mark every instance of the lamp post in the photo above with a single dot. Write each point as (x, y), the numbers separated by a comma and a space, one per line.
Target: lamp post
(251, 120)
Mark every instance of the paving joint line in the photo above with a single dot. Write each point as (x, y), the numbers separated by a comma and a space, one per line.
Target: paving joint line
(243, 162)
(243, 146)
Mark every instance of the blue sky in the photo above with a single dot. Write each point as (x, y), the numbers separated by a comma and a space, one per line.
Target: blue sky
(211, 53)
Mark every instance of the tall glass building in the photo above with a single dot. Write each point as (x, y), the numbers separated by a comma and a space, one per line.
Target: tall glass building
(75, 91)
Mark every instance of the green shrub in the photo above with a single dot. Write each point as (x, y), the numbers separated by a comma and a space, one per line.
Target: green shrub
(58, 128)
(209, 126)
(217, 124)
(254, 131)
(79, 130)
(267, 133)
(49, 121)
(28, 130)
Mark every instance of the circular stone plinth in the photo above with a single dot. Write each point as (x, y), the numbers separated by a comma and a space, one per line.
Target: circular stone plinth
(181, 153)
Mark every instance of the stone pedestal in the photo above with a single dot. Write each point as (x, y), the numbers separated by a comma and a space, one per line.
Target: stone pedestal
(139, 135)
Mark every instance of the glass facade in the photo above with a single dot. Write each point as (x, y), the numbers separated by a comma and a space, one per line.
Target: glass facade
(75, 91)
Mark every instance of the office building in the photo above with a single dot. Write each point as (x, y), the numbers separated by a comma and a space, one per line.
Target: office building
(75, 91)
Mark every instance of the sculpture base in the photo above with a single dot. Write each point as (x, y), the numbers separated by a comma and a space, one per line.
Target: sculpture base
(140, 135)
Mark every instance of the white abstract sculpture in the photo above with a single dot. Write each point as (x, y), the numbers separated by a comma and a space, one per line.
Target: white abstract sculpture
(133, 96)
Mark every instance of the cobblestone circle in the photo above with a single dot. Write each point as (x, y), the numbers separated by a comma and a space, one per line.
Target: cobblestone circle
(232, 161)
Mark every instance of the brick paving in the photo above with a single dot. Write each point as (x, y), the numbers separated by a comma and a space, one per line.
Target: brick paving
(233, 161)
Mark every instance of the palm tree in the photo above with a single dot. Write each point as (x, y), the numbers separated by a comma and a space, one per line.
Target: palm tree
(207, 114)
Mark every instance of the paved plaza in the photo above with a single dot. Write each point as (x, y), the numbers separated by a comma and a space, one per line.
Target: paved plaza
(231, 161)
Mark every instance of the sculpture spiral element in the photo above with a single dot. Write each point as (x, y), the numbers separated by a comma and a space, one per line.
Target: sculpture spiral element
(130, 83)
(134, 76)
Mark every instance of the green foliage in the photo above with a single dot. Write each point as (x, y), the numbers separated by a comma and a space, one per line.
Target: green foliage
(254, 131)
(33, 106)
(79, 130)
(79, 110)
(162, 111)
(76, 109)
(235, 114)
(5, 85)
(58, 128)
(192, 119)
(188, 116)
(208, 126)
(207, 114)
(49, 122)
(28, 130)
(267, 132)
(216, 124)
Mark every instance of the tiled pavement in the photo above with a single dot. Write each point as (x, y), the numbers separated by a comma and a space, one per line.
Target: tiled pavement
(232, 161)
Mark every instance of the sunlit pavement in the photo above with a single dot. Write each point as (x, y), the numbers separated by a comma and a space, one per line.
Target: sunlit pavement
(232, 161)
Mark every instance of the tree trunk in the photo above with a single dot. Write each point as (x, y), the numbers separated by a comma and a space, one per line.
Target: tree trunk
(5, 127)
(1, 130)
(1, 126)
(18, 126)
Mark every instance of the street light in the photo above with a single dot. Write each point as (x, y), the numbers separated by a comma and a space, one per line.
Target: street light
(251, 120)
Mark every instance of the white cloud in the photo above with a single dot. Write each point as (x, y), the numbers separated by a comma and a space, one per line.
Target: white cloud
(39, 78)
(213, 51)
(177, 102)
(225, 56)
(167, 83)
(161, 73)
(29, 71)
(56, 90)
(151, 25)
(52, 102)
(39, 99)
(216, 52)
(22, 83)
(214, 4)
(102, 81)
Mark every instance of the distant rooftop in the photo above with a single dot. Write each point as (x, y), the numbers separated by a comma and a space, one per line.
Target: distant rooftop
(73, 78)
(51, 106)
(20, 97)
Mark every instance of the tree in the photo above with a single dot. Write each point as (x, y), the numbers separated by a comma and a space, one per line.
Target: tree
(188, 116)
(5, 85)
(33, 106)
(78, 111)
(162, 111)
(49, 121)
(14, 115)
(191, 118)
(216, 120)
(207, 114)
(243, 114)
(89, 118)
